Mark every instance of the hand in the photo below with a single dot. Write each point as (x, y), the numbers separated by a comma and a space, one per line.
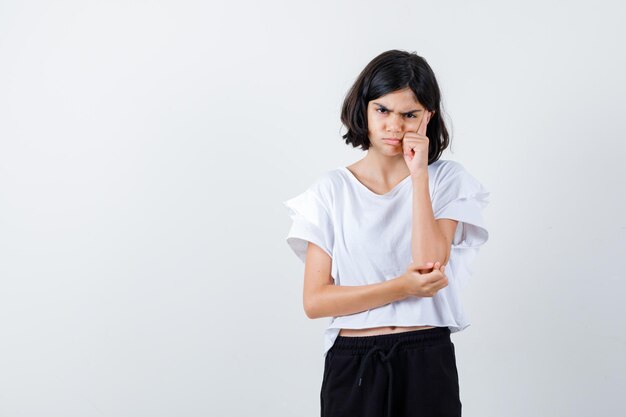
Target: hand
(415, 147)
(424, 284)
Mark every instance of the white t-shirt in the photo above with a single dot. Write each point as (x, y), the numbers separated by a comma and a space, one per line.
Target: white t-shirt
(368, 237)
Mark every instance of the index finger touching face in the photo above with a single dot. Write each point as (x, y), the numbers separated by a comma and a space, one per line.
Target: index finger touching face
(423, 123)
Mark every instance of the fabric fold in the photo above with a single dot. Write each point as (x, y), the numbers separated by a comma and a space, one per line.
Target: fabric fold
(311, 223)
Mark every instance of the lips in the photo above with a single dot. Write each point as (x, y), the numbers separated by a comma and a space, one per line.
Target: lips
(392, 141)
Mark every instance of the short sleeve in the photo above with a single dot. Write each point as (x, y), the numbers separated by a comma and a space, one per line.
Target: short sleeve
(311, 222)
(460, 196)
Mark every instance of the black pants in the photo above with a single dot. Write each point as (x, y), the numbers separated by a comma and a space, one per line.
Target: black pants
(393, 375)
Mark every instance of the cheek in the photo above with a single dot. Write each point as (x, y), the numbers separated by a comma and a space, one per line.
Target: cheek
(412, 125)
(373, 123)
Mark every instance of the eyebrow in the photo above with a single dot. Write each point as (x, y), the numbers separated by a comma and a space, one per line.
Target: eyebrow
(406, 112)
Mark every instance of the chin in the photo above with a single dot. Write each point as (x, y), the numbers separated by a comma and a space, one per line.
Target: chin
(390, 151)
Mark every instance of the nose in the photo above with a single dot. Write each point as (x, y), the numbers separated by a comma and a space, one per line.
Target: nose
(395, 123)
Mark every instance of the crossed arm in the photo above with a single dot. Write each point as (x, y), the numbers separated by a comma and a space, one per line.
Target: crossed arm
(431, 240)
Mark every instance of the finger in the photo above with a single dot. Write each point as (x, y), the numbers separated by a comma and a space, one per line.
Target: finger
(424, 270)
(439, 279)
(433, 277)
(444, 282)
(406, 148)
(423, 123)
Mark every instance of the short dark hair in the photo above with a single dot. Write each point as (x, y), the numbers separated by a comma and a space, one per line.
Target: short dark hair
(392, 71)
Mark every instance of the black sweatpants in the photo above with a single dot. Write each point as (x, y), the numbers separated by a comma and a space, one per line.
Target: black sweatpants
(392, 375)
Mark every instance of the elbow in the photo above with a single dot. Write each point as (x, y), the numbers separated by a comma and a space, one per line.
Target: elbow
(310, 307)
(310, 313)
(448, 250)
(442, 258)
(444, 254)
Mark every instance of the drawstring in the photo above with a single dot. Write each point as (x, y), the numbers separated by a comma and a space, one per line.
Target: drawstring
(385, 359)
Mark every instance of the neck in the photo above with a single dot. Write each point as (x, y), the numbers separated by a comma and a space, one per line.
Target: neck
(388, 169)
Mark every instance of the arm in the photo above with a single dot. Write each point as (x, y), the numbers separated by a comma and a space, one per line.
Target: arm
(431, 238)
(324, 299)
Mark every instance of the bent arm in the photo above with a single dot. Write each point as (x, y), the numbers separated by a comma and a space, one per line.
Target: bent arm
(324, 299)
(430, 238)
(340, 300)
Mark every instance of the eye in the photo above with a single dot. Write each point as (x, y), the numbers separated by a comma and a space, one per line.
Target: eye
(381, 110)
(411, 116)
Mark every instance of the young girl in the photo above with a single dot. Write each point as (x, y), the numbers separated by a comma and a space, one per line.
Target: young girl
(387, 244)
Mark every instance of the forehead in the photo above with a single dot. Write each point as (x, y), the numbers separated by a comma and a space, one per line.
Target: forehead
(399, 100)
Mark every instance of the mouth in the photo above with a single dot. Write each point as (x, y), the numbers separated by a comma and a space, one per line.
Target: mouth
(392, 141)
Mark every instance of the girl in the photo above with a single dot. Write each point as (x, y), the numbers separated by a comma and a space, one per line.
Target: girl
(387, 244)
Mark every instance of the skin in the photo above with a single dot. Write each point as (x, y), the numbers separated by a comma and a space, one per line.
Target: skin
(394, 115)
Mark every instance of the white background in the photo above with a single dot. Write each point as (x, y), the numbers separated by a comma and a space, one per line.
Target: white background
(145, 149)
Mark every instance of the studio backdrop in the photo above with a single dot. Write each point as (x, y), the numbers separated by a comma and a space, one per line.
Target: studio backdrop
(146, 149)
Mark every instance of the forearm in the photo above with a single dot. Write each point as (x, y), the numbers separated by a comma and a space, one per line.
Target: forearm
(428, 244)
(341, 300)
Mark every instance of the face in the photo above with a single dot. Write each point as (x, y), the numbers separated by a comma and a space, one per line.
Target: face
(390, 116)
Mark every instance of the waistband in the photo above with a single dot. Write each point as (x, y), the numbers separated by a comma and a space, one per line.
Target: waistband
(413, 338)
